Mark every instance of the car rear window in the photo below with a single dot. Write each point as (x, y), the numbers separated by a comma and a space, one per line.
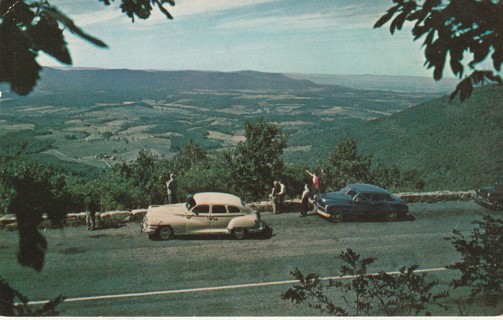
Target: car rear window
(233, 209)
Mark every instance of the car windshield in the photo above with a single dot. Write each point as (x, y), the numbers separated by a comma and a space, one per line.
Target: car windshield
(246, 207)
(350, 192)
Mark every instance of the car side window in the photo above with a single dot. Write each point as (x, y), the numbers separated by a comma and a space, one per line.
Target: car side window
(218, 209)
(377, 197)
(351, 193)
(201, 209)
(365, 197)
(233, 209)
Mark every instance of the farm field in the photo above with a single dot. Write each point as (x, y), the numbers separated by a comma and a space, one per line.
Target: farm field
(70, 118)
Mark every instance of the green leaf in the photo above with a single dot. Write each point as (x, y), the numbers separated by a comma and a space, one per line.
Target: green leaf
(18, 65)
(47, 36)
(67, 22)
(385, 18)
(398, 22)
(497, 57)
(163, 10)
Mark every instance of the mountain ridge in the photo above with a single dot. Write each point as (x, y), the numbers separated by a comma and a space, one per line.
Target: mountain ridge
(87, 113)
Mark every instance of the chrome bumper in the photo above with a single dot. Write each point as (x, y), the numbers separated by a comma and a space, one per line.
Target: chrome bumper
(259, 229)
(147, 228)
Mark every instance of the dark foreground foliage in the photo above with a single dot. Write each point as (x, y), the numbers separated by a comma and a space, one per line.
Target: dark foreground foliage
(481, 264)
(10, 308)
(450, 29)
(363, 294)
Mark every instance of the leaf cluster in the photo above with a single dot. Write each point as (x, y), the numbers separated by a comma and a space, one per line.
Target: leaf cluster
(27, 27)
(9, 308)
(452, 29)
(346, 165)
(142, 8)
(30, 190)
(389, 294)
(481, 264)
(257, 161)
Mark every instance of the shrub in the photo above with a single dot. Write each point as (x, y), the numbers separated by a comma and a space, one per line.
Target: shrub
(481, 264)
(10, 309)
(378, 294)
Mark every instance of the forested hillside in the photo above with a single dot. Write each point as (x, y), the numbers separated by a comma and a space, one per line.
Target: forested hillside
(453, 145)
(82, 119)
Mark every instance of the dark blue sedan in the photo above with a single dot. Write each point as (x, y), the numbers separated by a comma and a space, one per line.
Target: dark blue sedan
(360, 200)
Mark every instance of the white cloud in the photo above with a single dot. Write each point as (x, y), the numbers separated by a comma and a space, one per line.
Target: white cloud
(344, 17)
(99, 17)
(194, 7)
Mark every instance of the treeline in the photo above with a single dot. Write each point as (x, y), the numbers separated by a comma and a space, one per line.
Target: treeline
(27, 187)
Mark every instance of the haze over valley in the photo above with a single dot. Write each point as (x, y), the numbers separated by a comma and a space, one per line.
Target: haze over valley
(97, 117)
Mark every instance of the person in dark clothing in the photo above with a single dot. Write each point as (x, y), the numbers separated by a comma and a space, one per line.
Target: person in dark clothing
(190, 202)
(90, 213)
(278, 196)
(322, 182)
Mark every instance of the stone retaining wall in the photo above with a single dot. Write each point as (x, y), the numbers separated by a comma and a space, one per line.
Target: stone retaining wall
(264, 206)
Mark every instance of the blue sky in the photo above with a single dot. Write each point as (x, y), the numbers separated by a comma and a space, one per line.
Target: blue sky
(287, 36)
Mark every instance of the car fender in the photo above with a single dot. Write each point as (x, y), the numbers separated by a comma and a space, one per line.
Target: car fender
(246, 221)
(168, 215)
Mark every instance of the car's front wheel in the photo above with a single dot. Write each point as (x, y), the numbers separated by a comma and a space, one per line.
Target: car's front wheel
(337, 216)
(238, 233)
(390, 216)
(165, 233)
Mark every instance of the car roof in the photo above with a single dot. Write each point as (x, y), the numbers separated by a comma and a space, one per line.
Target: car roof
(364, 187)
(217, 198)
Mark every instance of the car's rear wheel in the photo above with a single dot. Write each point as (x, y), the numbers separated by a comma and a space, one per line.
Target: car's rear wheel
(499, 206)
(238, 233)
(390, 216)
(165, 233)
(337, 216)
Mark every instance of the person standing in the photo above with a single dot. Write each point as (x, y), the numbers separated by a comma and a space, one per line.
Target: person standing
(316, 181)
(322, 182)
(278, 196)
(281, 195)
(90, 213)
(274, 197)
(171, 186)
(304, 204)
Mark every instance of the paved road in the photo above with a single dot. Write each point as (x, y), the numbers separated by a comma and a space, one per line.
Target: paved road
(82, 264)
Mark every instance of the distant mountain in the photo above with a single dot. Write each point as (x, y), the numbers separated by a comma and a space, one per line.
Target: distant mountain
(86, 87)
(380, 82)
(453, 145)
(74, 115)
(134, 80)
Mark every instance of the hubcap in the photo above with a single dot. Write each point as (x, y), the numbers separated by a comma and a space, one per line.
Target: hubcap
(165, 233)
(239, 233)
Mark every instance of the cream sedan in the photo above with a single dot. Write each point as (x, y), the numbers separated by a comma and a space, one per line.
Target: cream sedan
(206, 213)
